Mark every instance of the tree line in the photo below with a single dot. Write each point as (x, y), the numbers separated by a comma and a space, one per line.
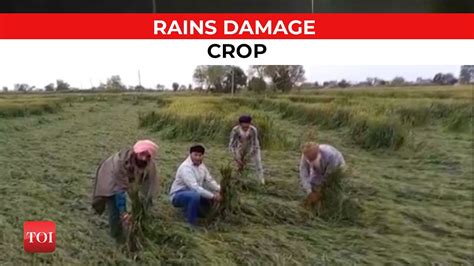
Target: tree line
(232, 78)
(259, 78)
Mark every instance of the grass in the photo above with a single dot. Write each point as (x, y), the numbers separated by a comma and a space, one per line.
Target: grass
(19, 108)
(371, 122)
(368, 130)
(208, 119)
(339, 204)
(416, 201)
(431, 92)
(377, 132)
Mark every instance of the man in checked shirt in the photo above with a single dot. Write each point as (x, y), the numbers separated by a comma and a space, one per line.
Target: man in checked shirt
(245, 146)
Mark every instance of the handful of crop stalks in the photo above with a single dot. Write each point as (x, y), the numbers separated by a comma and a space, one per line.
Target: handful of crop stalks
(229, 208)
(243, 182)
(337, 203)
(138, 215)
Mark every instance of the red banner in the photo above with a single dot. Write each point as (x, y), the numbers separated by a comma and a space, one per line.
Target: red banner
(236, 26)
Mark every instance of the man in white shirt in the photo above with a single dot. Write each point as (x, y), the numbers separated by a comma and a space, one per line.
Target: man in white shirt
(193, 186)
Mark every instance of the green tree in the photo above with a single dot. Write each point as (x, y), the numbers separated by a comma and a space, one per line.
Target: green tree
(160, 87)
(114, 83)
(240, 79)
(257, 84)
(175, 86)
(200, 75)
(343, 84)
(137, 88)
(285, 77)
(444, 79)
(398, 81)
(21, 87)
(49, 87)
(62, 85)
(467, 74)
(211, 76)
(257, 70)
(215, 76)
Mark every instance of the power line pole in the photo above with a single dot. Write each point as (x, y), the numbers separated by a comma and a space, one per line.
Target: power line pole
(312, 6)
(232, 69)
(139, 79)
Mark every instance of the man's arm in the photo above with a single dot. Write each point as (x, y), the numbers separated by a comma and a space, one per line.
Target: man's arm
(255, 142)
(304, 176)
(211, 182)
(233, 142)
(188, 177)
(336, 161)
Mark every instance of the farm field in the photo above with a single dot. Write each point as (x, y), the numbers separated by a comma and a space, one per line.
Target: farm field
(410, 151)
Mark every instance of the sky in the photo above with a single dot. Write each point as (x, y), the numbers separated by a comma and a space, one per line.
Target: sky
(84, 64)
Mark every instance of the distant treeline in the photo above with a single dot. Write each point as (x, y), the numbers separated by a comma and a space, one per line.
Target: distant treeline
(259, 79)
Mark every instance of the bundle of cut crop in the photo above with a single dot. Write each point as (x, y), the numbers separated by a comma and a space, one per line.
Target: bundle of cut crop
(229, 208)
(138, 214)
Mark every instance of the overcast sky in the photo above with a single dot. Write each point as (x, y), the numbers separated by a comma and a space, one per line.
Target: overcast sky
(81, 76)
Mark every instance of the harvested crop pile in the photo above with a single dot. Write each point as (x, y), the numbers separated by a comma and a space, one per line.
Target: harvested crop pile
(135, 234)
(228, 211)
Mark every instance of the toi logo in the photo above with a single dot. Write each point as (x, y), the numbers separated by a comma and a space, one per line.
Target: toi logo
(39, 236)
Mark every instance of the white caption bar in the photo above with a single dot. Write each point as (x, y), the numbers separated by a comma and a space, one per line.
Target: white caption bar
(314, 52)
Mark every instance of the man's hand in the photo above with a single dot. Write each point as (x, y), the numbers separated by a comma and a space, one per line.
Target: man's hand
(240, 163)
(126, 219)
(313, 198)
(217, 197)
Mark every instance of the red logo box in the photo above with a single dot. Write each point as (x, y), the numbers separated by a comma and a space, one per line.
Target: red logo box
(39, 236)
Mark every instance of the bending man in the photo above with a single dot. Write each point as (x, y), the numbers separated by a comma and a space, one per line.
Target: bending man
(112, 180)
(317, 162)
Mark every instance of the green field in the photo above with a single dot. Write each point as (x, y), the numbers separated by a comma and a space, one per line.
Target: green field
(409, 150)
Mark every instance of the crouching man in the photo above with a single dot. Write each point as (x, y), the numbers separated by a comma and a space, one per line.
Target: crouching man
(317, 162)
(194, 188)
(114, 177)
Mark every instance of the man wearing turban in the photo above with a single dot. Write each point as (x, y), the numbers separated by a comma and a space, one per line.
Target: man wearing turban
(245, 146)
(114, 177)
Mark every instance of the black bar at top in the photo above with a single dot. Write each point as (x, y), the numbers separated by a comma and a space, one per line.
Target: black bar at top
(237, 6)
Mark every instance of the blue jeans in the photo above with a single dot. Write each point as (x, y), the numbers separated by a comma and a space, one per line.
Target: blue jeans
(115, 223)
(192, 203)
